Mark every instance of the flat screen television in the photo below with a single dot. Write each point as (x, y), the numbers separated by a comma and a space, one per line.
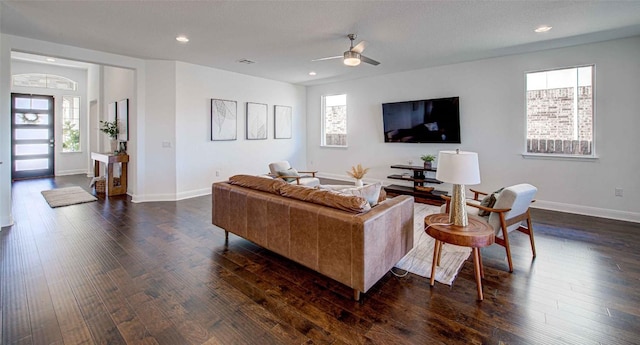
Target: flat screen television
(424, 121)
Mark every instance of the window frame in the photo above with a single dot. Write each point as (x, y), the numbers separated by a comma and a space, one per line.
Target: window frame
(71, 97)
(323, 107)
(562, 156)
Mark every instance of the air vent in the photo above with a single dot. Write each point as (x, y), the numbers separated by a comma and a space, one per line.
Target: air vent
(245, 61)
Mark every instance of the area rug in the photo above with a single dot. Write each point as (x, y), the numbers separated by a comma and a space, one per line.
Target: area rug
(419, 259)
(67, 196)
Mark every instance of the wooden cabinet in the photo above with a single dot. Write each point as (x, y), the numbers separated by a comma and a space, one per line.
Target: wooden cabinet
(419, 177)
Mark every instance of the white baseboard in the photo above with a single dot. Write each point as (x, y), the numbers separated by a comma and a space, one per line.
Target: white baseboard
(193, 193)
(6, 221)
(135, 198)
(540, 204)
(71, 172)
(170, 196)
(346, 178)
(587, 211)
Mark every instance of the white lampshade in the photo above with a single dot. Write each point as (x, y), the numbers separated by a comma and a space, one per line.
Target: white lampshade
(458, 167)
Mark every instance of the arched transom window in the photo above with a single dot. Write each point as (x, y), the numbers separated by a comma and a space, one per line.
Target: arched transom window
(48, 81)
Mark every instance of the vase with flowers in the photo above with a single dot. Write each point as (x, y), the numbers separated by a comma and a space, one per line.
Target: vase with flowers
(110, 128)
(358, 173)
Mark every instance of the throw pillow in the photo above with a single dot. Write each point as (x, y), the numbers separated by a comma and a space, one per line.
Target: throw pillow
(288, 172)
(370, 192)
(489, 201)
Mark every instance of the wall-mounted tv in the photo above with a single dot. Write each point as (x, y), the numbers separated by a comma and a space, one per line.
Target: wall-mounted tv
(424, 121)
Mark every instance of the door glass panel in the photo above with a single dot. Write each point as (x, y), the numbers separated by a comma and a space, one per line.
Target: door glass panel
(29, 134)
(32, 164)
(39, 104)
(32, 119)
(31, 149)
(23, 103)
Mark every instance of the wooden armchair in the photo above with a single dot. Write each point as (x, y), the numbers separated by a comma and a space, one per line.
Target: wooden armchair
(510, 209)
(283, 170)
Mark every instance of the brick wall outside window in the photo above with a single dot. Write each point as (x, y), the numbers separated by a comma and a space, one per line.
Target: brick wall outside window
(550, 121)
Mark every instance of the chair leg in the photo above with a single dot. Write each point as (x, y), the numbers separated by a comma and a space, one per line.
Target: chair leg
(505, 236)
(530, 226)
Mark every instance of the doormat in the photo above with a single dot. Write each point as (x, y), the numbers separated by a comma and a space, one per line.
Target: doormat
(67, 196)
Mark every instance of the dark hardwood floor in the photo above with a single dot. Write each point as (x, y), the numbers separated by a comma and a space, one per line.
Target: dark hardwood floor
(115, 272)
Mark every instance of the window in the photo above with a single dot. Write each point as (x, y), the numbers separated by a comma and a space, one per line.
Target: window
(334, 120)
(70, 124)
(560, 111)
(48, 81)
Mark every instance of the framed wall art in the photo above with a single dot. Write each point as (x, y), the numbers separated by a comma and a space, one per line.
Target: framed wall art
(282, 122)
(224, 120)
(256, 121)
(111, 112)
(122, 118)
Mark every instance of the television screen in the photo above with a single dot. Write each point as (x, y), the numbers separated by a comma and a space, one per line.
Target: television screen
(425, 121)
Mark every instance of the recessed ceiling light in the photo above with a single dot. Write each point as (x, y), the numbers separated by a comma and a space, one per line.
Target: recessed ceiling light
(543, 28)
(182, 39)
(312, 73)
(50, 59)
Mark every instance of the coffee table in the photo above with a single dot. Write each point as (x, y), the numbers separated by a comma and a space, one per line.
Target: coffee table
(476, 235)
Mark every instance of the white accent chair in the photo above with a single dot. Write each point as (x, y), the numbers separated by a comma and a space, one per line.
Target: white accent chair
(283, 170)
(510, 210)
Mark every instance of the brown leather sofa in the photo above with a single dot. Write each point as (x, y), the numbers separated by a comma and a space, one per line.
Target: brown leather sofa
(354, 248)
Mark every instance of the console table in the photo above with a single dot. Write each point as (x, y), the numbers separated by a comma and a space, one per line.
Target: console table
(109, 159)
(418, 178)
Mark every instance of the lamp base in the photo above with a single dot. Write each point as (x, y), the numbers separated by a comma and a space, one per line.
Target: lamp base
(458, 209)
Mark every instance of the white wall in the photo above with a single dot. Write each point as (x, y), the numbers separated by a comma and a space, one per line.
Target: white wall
(198, 158)
(492, 109)
(119, 84)
(94, 94)
(65, 163)
(6, 218)
(9, 43)
(161, 127)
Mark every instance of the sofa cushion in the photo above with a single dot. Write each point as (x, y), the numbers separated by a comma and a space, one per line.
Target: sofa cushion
(259, 183)
(328, 198)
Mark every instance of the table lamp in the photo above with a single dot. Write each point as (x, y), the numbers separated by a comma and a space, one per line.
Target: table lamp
(458, 168)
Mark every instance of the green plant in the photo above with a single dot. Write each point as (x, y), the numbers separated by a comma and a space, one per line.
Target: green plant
(110, 128)
(70, 137)
(428, 158)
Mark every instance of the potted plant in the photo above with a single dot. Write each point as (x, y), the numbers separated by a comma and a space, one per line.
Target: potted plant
(110, 128)
(428, 160)
(358, 173)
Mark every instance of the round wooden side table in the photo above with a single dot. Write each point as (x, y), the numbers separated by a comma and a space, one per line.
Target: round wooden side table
(476, 235)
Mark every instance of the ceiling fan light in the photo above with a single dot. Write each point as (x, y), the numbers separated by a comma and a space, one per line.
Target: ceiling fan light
(351, 58)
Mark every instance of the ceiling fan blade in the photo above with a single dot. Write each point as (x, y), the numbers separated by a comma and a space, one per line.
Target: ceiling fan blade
(369, 61)
(359, 48)
(328, 58)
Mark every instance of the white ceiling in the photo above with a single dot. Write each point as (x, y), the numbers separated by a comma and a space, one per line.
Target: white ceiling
(282, 37)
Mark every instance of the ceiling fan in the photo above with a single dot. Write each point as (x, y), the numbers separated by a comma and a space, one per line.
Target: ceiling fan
(353, 56)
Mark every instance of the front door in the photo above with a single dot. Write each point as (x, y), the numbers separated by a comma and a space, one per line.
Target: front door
(32, 136)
